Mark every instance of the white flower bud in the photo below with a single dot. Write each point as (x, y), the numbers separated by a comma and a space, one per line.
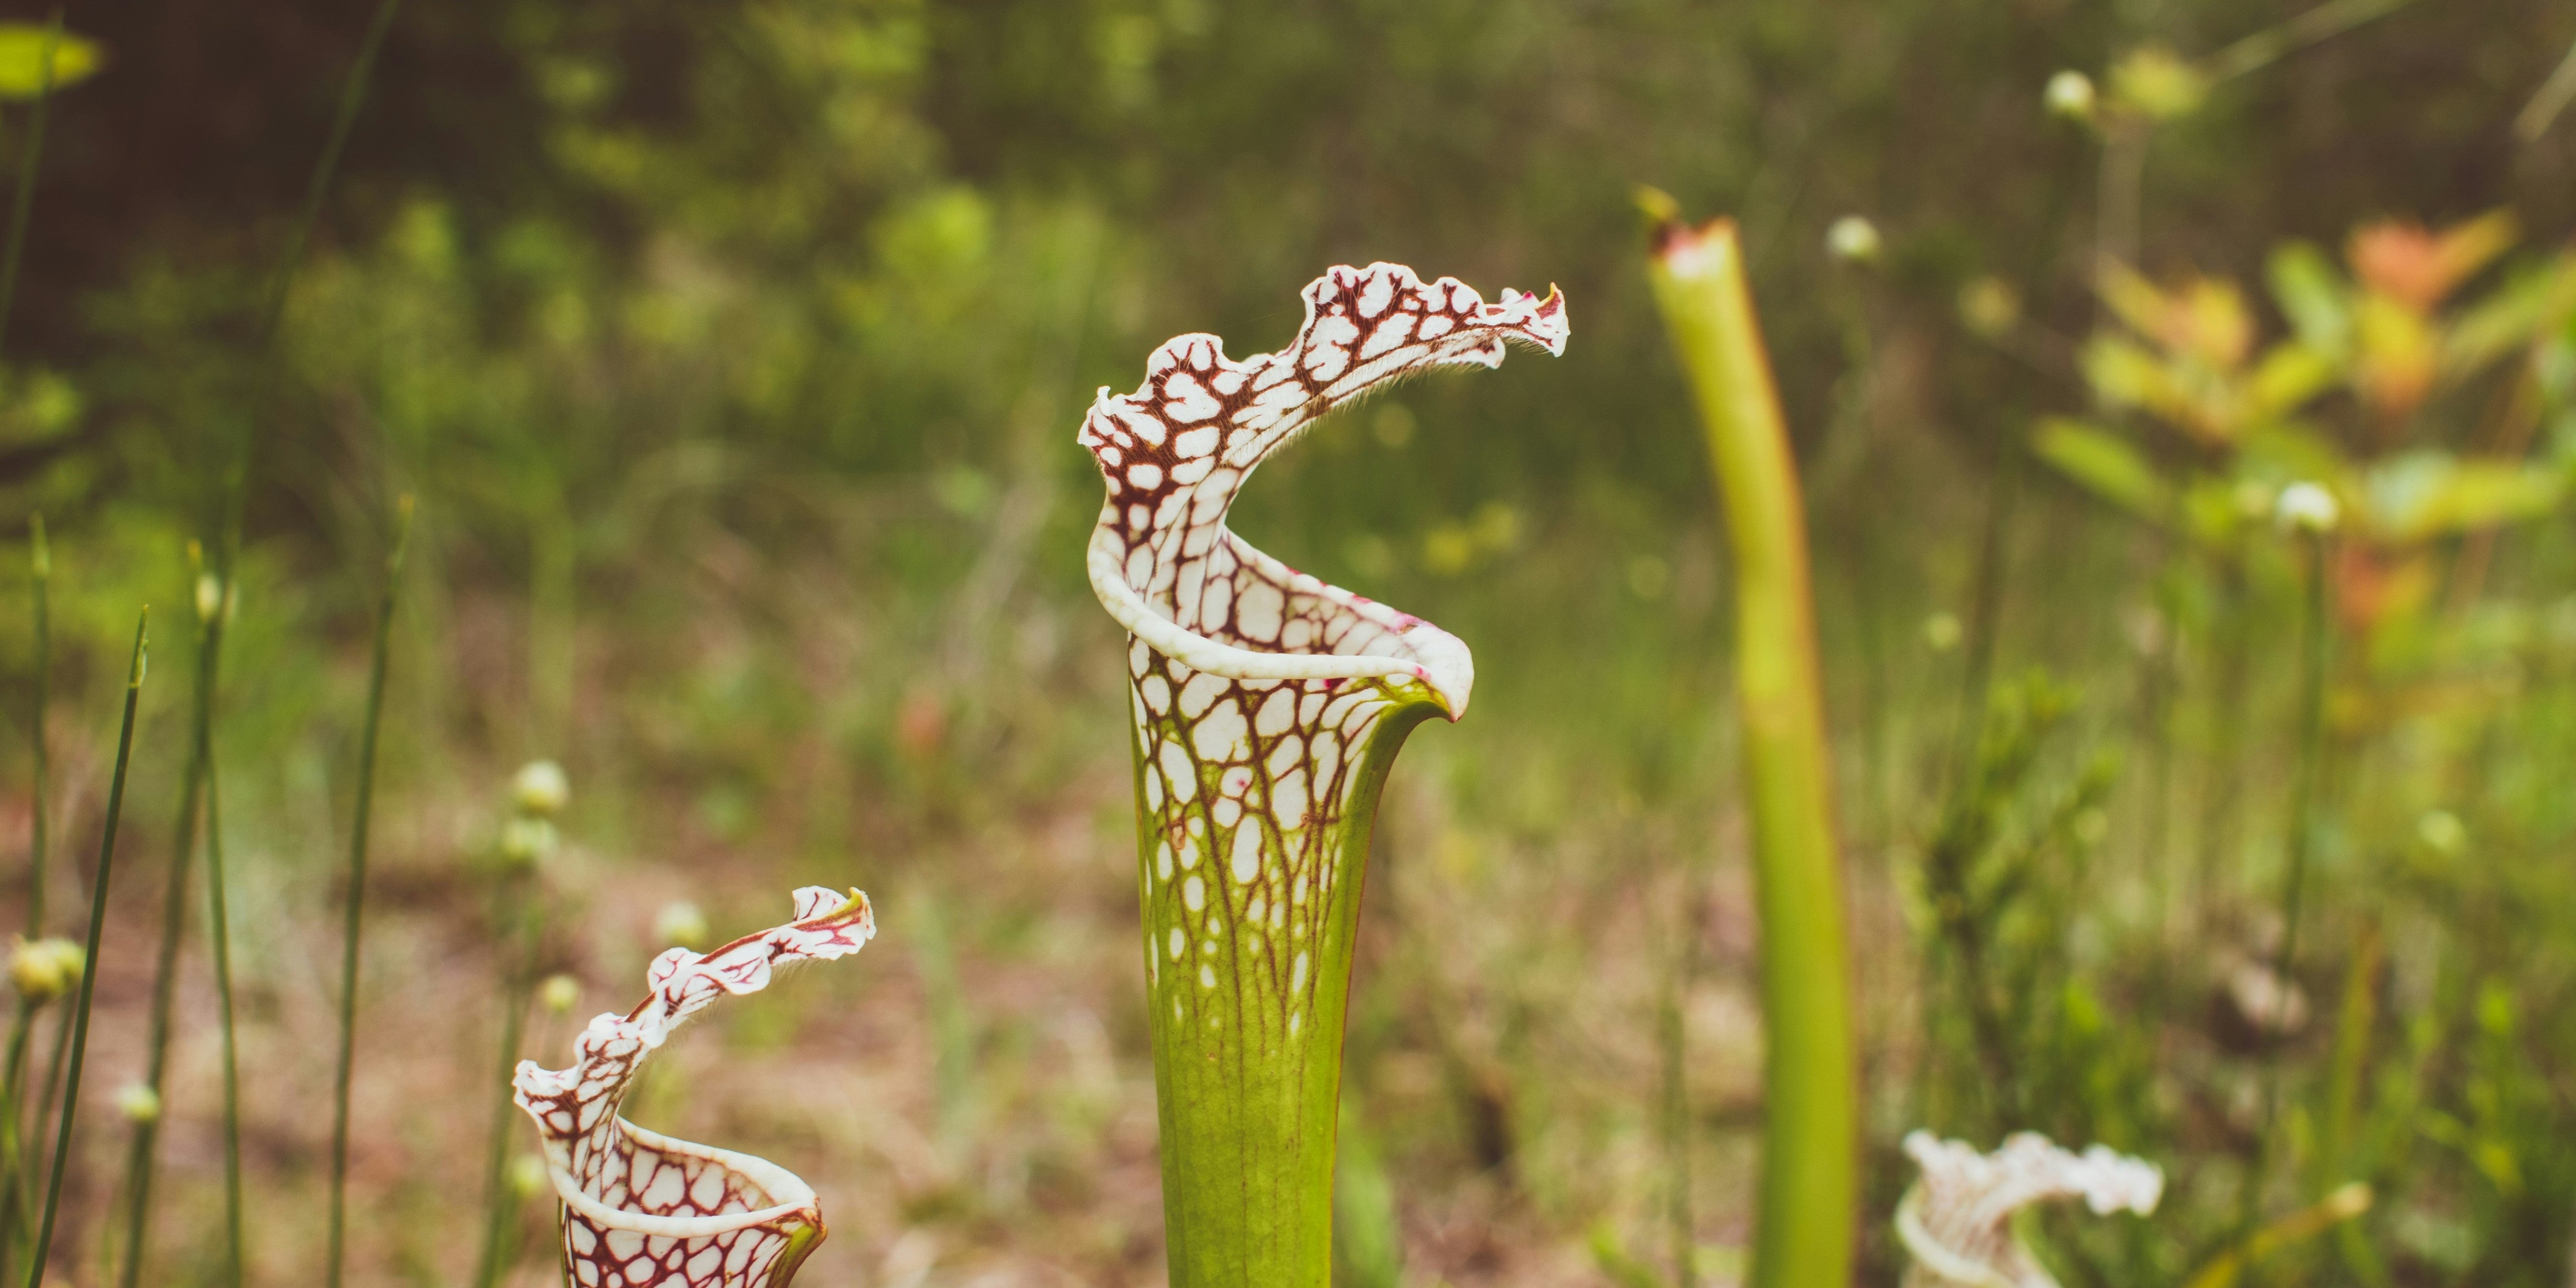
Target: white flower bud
(139, 1103)
(526, 842)
(44, 969)
(2442, 830)
(540, 788)
(2306, 507)
(210, 597)
(680, 922)
(1853, 239)
(560, 993)
(528, 1177)
(2070, 94)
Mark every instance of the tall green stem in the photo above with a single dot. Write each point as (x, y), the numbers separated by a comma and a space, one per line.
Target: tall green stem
(21, 211)
(89, 959)
(2220, 840)
(2313, 642)
(42, 560)
(517, 904)
(19, 1228)
(353, 92)
(1803, 1235)
(1672, 1040)
(355, 908)
(23, 205)
(1986, 612)
(15, 1189)
(142, 1152)
(220, 918)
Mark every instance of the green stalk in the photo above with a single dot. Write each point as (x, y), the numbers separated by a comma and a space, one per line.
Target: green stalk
(22, 210)
(272, 316)
(1986, 612)
(2303, 795)
(220, 916)
(352, 94)
(16, 1188)
(89, 959)
(357, 894)
(2313, 26)
(1809, 1183)
(518, 899)
(23, 1184)
(142, 1153)
(24, 204)
(1672, 1041)
(12, 1211)
(42, 558)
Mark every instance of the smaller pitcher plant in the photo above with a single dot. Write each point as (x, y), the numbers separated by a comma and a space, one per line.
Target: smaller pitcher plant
(1957, 1222)
(1268, 708)
(641, 1210)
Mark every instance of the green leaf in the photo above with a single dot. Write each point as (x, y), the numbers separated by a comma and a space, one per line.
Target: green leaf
(2285, 380)
(2289, 451)
(22, 59)
(2137, 300)
(2427, 494)
(2106, 465)
(2125, 374)
(2214, 510)
(2510, 317)
(2313, 296)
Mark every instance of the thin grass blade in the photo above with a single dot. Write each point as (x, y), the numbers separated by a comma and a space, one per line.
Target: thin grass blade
(89, 971)
(354, 917)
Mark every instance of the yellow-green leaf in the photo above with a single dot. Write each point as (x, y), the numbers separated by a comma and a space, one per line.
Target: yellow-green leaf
(2285, 452)
(2287, 377)
(2313, 296)
(2510, 317)
(2427, 494)
(2105, 464)
(2125, 374)
(2214, 511)
(2135, 299)
(22, 59)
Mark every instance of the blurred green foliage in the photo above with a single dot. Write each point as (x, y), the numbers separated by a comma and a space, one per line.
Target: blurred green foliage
(734, 352)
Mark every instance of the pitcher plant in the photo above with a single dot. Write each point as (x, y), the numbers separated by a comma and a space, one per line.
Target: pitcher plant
(1268, 707)
(641, 1210)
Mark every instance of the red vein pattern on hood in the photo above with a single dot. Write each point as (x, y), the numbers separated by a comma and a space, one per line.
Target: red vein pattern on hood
(1175, 452)
(642, 1210)
(1258, 694)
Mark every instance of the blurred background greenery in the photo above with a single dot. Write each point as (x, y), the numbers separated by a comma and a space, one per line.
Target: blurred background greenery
(734, 351)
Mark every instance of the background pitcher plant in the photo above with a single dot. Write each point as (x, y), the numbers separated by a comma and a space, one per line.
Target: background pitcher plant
(1268, 707)
(641, 1208)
